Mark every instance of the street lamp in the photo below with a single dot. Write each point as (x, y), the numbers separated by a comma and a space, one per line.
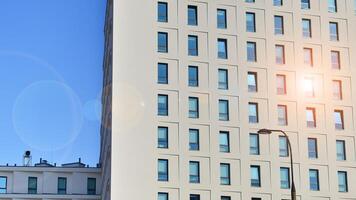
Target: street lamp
(270, 131)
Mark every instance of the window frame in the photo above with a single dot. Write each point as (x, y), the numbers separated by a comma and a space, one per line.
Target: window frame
(257, 136)
(30, 189)
(225, 180)
(59, 189)
(219, 24)
(192, 22)
(165, 77)
(310, 53)
(287, 170)
(309, 33)
(280, 59)
(224, 116)
(334, 37)
(257, 113)
(284, 89)
(279, 30)
(160, 46)
(222, 55)
(317, 184)
(311, 124)
(195, 50)
(339, 94)
(284, 153)
(163, 176)
(165, 112)
(285, 118)
(165, 20)
(193, 114)
(164, 145)
(337, 125)
(346, 187)
(338, 155)
(224, 148)
(252, 88)
(223, 85)
(250, 26)
(313, 153)
(194, 178)
(194, 146)
(254, 45)
(3, 190)
(91, 191)
(257, 182)
(195, 82)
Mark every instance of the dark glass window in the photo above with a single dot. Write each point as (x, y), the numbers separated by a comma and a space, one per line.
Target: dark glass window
(162, 12)
(332, 6)
(250, 22)
(224, 174)
(3, 184)
(255, 176)
(194, 139)
(32, 185)
(194, 197)
(162, 196)
(193, 45)
(193, 76)
(306, 25)
(223, 79)
(194, 172)
(312, 148)
(253, 112)
(62, 185)
(221, 18)
(162, 42)
(224, 140)
(91, 187)
(314, 180)
(163, 137)
(278, 2)
(283, 146)
(223, 110)
(254, 144)
(162, 105)
(334, 31)
(222, 48)
(251, 52)
(340, 150)
(278, 25)
(192, 15)
(162, 73)
(342, 179)
(305, 4)
(162, 170)
(284, 175)
(193, 107)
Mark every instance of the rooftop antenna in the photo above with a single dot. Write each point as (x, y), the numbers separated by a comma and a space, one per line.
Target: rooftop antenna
(27, 159)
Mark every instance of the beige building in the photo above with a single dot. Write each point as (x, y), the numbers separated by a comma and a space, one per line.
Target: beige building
(188, 83)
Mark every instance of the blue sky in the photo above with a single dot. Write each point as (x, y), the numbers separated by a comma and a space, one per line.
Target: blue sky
(51, 55)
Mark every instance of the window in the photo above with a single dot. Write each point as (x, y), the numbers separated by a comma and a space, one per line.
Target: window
(224, 174)
(162, 73)
(162, 137)
(162, 196)
(306, 24)
(162, 170)
(193, 76)
(278, 25)
(223, 110)
(308, 57)
(225, 198)
(192, 15)
(223, 79)
(334, 31)
(284, 175)
(283, 146)
(332, 6)
(255, 176)
(194, 172)
(278, 2)
(162, 12)
(311, 119)
(340, 150)
(339, 119)
(282, 115)
(193, 107)
(194, 139)
(224, 140)
(252, 81)
(91, 186)
(305, 4)
(162, 42)
(254, 198)
(32, 185)
(3, 185)
(162, 105)
(251, 52)
(281, 84)
(194, 197)
(314, 180)
(62, 185)
(250, 22)
(253, 112)
(335, 60)
(222, 48)
(280, 55)
(193, 45)
(221, 18)
(309, 87)
(312, 148)
(342, 179)
(254, 144)
(250, 1)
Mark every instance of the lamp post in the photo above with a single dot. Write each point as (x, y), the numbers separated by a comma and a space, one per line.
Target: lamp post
(270, 131)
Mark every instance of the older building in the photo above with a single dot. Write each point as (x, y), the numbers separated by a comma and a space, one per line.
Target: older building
(188, 83)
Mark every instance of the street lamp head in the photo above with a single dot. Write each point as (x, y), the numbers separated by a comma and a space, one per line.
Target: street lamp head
(264, 131)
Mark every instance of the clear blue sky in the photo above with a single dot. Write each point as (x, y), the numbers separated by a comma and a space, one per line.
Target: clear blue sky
(51, 54)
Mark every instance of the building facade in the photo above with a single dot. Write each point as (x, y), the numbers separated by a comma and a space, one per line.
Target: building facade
(188, 83)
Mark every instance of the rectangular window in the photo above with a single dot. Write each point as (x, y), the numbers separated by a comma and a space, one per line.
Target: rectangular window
(284, 175)
(91, 186)
(162, 12)
(162, 170)
(224, 174)
(255, 198)
(278, 25)
(32, 185)
(250, 22)
(194, 197)
(194, 172)
(251, 52)
(342, 179)
(222, 48)
(162, 42)
(225, 198)
(254, 144)
(250, 1)
(305, 4)
(314, 180)
(255, 176)
(281, 84)
(306, 24)
(162, 196)
(308, 57)
(223, 110)
(340, 150)
(312, 148)
(221, 19)
(280, 55)
(162, 73)
(193, 45)
(162, 105)
(335, 60)
(311, 117)
(337, 89)
(253, 112)
(252, 81)
(194, 140)
(332, 6)
(283, 146)
(223, 79)
(193, 76)
(282, 115)
(192, 15)
(62, 185)
(278, 2)
(224, 140)
(193, 107)
(3, 184)
(162, 137)
(339, 119)
(334, 31)
(309, 87)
